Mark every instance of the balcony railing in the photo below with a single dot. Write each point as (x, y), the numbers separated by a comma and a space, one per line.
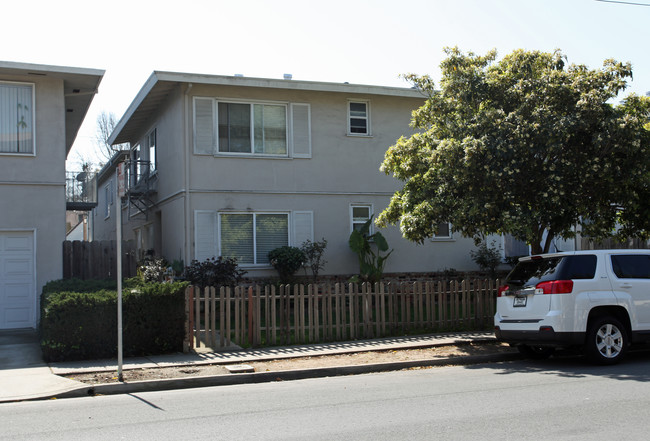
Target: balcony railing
(141, 187)
(80, 190)
(141, 177)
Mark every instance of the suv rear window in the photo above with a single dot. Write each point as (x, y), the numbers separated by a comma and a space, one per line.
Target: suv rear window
(531, 272)
(631, 266)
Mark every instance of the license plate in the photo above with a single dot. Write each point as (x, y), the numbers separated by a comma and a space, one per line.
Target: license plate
(519, 302)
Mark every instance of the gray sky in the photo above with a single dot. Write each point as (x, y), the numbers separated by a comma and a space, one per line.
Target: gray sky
(365, 42)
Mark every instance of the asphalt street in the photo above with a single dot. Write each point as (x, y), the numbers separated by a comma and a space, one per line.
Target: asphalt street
(556, 399)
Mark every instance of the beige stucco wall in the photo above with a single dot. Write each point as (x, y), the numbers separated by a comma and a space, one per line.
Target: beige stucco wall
(342, 170)
(32, 188)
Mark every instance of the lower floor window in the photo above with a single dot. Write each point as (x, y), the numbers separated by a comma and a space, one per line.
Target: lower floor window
(250, 236)
(443, 231)
(360, 214)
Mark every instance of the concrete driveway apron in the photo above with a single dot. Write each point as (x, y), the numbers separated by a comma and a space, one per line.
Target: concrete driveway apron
(23, 373)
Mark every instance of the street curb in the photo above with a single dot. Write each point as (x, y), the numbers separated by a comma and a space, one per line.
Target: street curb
(265, 377)
(245, 358)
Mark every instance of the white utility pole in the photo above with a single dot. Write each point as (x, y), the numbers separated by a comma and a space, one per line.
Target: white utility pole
(118, 219)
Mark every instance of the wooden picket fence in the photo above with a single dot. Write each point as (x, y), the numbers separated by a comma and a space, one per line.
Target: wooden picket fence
(298, 314)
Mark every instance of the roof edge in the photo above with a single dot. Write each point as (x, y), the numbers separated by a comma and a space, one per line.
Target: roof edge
(47, 68)
(286, 84)
(144, 91)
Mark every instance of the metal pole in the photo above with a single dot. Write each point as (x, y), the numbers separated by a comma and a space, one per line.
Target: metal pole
(118, 220)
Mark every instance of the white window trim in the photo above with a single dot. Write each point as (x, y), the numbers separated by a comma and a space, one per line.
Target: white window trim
(301, 228)
(449, 238)
(33, 109)
(251, 103)
(368, 133)
(153, 163)
(291, 153)
(371, 212)
(254, 213)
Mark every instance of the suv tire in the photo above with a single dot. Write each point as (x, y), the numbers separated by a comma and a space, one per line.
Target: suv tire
(606, 340)
(536, 352)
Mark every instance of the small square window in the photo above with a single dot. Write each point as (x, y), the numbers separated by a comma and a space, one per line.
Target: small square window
(443, 231)
(358, 118)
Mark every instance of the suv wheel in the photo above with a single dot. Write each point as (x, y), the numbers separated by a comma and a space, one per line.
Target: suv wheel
(536, 352)
(606, 341)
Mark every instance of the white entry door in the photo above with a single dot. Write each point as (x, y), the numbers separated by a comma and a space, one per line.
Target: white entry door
(17, 280)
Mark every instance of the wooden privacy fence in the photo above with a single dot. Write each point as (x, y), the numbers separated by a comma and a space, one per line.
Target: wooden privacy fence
(295, 314)
(97, 259)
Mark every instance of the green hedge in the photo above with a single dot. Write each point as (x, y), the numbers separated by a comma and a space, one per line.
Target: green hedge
(79, 319)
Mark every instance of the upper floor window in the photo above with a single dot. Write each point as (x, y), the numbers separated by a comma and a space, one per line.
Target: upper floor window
(358, 118)
(16, 118)
(144, 159)
(108, 198)
(151, 146)
(136, 170)
(251, 128)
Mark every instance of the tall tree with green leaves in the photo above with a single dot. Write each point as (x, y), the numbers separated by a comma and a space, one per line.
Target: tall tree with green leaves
(527, 145)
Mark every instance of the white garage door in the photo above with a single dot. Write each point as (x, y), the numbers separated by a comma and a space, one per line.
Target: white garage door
(17, 286)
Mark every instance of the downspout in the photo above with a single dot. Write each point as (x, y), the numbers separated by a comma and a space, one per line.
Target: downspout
(188, 214)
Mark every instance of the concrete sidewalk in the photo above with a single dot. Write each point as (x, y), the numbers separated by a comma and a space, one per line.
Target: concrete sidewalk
(23, 373)
(26, 377)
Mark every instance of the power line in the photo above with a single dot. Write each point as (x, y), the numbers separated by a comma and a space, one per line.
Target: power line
(624, 3)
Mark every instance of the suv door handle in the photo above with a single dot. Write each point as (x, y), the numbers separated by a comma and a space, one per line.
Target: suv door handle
(626, 286)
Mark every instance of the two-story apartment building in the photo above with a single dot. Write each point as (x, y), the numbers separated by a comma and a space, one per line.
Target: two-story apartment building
(41, 110)
(238, 166)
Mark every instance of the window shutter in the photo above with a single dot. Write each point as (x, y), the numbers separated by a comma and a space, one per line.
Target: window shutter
(303, 227)
(205, 235)
(204, 137)
(301, 130)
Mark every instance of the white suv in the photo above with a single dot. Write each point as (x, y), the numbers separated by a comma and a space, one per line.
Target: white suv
(598, 300)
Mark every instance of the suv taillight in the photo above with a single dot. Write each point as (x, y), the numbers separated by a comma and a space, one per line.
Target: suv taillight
(502, 289)
(556, 287)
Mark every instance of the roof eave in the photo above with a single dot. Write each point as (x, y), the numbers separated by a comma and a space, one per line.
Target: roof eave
(121, 135)
(80, 86)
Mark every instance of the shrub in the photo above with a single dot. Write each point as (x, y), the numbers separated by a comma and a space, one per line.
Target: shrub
(286, 261)
(83, 325)
(153, 270)
(487, 258)
(313, 252)
(78, 285)
(214, 272)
